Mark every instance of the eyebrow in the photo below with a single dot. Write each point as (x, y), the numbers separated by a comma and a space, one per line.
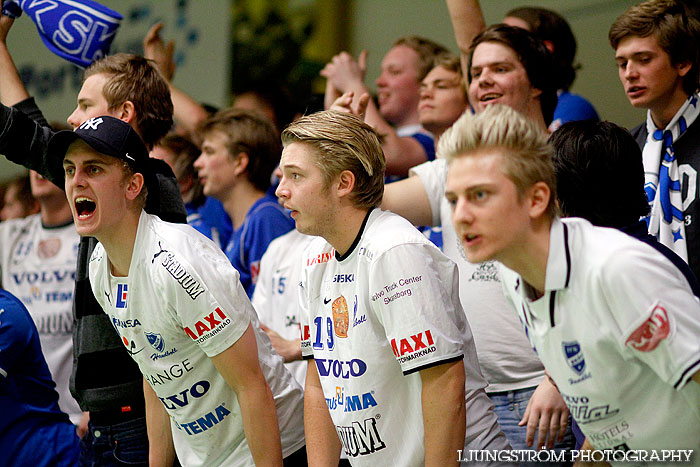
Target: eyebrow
(635, 54)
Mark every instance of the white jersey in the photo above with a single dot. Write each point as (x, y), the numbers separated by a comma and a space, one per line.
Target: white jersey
(181, 304)
(276, 296)
(618, 330)
(506, 358)
(372, 320)
(38, 267)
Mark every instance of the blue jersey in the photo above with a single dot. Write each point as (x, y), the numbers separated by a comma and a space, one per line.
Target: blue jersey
(265, 221)
(33, 430)
(210, 219)
(572, 108)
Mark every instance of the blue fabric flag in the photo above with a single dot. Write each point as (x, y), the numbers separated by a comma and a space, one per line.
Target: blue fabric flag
(81, 31)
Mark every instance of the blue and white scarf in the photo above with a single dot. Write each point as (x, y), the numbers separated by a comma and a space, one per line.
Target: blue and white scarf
(662, 178)
(80, 31)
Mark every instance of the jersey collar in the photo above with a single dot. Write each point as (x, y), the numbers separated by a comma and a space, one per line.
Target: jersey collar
(357, 239)
(558, 273)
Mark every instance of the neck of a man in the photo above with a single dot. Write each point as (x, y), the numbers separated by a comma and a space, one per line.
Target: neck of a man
(55, 211)
(238, 201)
(405, 119)
(529, 257)
(663, 113)
(346, 228)
(534, 113)
(119, 244)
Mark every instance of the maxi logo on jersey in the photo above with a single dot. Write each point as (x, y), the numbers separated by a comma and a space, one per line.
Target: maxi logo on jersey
(182, 399)
(341, 369)
(413, 347)
(209, 326)
(361, 438)
(189, 284)
(122, 291)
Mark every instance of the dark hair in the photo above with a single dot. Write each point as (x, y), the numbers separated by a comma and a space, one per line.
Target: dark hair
(133, 78)
(185, 152)
(599, 173)
(675, 26)
(250, 133)
(548, 25)
(533, 55)
(277, 98)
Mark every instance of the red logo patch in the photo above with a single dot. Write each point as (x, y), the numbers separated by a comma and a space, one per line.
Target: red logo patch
(652, 331)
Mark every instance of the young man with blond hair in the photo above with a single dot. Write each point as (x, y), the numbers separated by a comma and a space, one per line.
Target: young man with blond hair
(622, 355)
(215, 392)
(393, 374)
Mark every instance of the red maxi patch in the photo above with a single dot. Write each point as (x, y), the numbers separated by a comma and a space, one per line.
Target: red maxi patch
(651, 332)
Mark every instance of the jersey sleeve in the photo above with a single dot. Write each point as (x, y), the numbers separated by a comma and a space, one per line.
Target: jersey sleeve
(432, 175)
(25, 142)
(268, 224)
(414, 293)
(657, 315)
(209, 301)
(16, 330)
(427, 143)
(263, 288)
(304, 317)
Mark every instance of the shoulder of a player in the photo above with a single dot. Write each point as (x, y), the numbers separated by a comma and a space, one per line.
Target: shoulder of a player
(20, 226)
(389, 231)
(616, 254)
(12, 309)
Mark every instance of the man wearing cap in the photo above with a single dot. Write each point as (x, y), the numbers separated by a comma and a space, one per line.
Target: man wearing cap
(180, 311)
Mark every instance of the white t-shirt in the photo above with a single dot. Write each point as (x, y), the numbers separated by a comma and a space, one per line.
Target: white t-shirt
(38, 267)
(506, 358)
(371, 321)
(618, 330)
(182, 304)
(276, 296)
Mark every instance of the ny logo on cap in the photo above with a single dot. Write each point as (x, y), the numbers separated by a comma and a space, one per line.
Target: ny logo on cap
(91, 124)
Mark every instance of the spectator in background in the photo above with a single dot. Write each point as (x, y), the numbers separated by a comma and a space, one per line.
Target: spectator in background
(205, 214)
(548, 26)
(33, 429)
(443, 96)
(596, 162)
(38, 255)
(405, 142)
(551, 28)
(18, 201)
(657, 50)
(240, 150)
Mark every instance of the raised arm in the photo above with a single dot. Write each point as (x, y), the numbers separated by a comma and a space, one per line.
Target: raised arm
(12, 89)
(188, 113)
(467, 22)
(161, 451)
(408, 199)
(345, 74)
(444, 412)
(240, 367)
(322, 442)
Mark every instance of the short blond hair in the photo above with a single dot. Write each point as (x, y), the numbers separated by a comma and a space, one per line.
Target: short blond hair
(342, 141)
(526, 153)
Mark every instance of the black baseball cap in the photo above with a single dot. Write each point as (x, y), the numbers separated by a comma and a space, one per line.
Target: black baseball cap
(106, 135)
